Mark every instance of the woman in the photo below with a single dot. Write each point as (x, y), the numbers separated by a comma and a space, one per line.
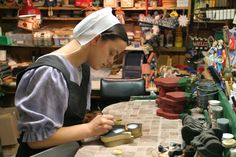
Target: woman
(53, 93)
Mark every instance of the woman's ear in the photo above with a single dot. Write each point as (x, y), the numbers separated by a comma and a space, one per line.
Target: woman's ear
(95, 40)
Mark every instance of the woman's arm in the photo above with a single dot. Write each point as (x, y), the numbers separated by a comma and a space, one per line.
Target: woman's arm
(98, 126)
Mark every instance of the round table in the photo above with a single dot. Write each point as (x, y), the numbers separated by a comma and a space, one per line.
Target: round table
(156, 130)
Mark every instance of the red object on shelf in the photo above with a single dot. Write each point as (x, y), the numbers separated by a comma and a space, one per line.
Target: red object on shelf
(167, 85)
(151, 56)
(167, 82)
(145, 69)
(172, 98)
(170, 105)
(180, 66)
(167, 115)
(83, 3)
(146, 12)
(159, 3)
(28, 9)
(176, 96)
(171, 102)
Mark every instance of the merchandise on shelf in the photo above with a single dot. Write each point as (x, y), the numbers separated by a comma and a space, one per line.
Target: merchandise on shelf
(149, 70)
(29, 23)
(120, 14)
(178, 38)
(127, 3)
(182, 3)
(20, 38)
(110, 3)
(43, 38)
(83, 3)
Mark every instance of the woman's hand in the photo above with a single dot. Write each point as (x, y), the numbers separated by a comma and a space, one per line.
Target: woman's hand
(101, 124)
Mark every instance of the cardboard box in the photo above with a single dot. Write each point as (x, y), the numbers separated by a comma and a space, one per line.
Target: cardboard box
(182, 3)
(110, 3)
(8, 129)
(127, 3)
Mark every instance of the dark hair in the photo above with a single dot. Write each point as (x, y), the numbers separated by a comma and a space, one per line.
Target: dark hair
(116, 31)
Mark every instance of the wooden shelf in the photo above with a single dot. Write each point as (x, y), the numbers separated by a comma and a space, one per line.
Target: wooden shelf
(6, 7)
(9, 18)
(63, 18)
(155, 8)
(172, 49)
(50, 18)
(77, 8)
(61, 8)
(213, 21)
(30, 46)
(128, 48)
(71, 7)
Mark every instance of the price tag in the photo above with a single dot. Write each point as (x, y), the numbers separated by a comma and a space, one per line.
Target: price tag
(234, 22)
(63, 41)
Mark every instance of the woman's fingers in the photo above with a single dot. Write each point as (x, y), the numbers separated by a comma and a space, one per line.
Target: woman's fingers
(106, 121)
(108, 116)
(107, 127)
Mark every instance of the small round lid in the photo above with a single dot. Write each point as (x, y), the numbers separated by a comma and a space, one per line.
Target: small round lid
(217, 108)
(222, 121)
(213, 102)
(228, 136)
(132, 126)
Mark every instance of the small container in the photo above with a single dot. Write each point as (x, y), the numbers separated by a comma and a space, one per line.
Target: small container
(161, 42)
(232, 13)
(169, 39)
(3, 55)
(233, 152)
(223, 124)
(227, 136)
(62, 39)
(217, 112)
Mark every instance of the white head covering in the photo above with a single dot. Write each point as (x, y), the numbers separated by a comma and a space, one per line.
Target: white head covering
(94, 24)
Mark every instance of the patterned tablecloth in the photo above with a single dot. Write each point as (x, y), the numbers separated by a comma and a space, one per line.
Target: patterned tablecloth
(156, 130)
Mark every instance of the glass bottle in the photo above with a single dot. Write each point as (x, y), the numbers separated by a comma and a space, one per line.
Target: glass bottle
(169, 39)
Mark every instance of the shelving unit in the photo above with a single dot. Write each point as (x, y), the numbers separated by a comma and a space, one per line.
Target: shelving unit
(8, 22)
(9, 16)
(71, 8)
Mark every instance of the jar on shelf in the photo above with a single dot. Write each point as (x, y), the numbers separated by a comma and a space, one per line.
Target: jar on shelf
(178, 38)
(169, 39)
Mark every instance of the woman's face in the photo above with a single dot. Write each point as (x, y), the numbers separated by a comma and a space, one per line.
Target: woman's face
(104, 52)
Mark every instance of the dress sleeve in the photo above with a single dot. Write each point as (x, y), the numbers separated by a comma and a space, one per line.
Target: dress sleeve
(41, 99)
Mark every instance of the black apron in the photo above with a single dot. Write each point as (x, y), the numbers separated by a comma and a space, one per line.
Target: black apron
(77, 101)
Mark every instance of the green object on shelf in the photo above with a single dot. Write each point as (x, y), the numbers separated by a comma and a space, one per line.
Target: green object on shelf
(218, 35)
(185, 84)
(5, 40)
(206, 115)
(228, 112)
(152, 96)
(145, 97)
